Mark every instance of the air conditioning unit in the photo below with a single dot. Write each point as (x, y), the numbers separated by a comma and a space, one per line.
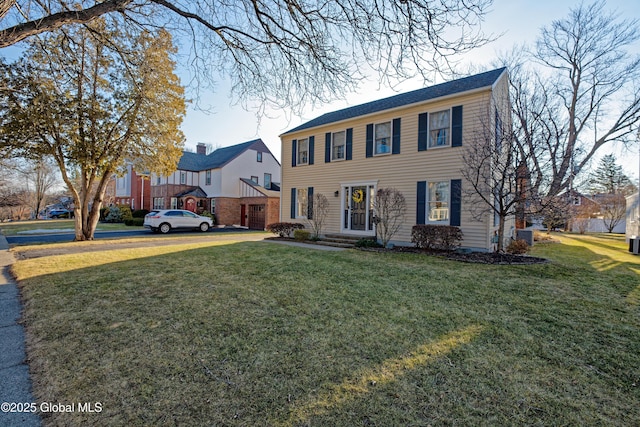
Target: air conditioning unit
(634, 245)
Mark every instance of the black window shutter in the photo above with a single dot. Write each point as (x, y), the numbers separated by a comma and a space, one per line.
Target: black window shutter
(456, 202)
(312, 140)
(421, 212)
(349, 143)
(310, 203)
(369, 152)
(395, 140)
(423, 134)
(327, 147)
(293, 203)
(456, 126)
(294, 152)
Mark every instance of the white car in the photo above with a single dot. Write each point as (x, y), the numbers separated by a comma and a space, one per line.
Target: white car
(165, 220)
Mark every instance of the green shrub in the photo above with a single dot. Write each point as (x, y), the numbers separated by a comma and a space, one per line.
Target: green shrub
(136, 222)
(209, 215)
(367, 243)
(139, 213)
(443, 237)
(114, 215)
(301, 235)
(125, 212)
(104, 212)
(518, 247)
(284, 229)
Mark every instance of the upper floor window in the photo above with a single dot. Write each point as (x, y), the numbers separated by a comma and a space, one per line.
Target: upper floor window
(208, 177)
(259, 157)
(338, 144)
(382, 138)
(158, 180)
(303, 151)
(254, 179)
(183, 177)
(439, 125)
(267, 181)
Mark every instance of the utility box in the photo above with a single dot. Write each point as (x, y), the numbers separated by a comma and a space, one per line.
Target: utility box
(634, 245)
(526, 235)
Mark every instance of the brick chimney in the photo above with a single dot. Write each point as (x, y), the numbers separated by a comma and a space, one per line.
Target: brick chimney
(201, 148)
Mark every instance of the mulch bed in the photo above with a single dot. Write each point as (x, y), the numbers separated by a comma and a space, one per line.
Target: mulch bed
(472, 257)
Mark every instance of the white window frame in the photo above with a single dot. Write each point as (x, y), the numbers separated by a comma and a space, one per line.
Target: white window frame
(299, 152)
(430, 140)
(334, 147)
(389, 138)
(183, 178)
(174, 203)
(207, 178)
(446, 209)
(302, 202)
(158, 203)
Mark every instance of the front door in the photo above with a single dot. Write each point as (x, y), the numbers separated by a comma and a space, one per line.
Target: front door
(243, 215)
(359, 208)
(357, 216)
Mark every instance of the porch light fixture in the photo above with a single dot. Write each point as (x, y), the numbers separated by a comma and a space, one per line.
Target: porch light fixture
(337, 193)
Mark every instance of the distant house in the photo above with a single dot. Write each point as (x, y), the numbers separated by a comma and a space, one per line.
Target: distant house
(596, 212)
(633, 216)
(238, 184)
(412, 142)
(132, 189)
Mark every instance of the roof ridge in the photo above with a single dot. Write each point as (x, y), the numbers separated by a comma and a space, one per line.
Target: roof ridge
(464, 84)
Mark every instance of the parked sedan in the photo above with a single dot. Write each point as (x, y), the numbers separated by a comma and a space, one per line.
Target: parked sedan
(164, 221)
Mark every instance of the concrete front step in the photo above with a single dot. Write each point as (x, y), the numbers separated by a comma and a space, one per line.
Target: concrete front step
(341, 240)
(334, 244)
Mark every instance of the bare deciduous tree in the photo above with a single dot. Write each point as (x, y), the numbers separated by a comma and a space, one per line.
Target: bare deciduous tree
(491, 171)
(582, 97)
(319, 210)
(282, 52)
(613, 209)
(40, 177)
(389, 209)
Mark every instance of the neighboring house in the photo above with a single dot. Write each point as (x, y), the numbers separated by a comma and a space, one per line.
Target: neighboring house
(633, 216)
(412, 142)
(238, 184)
(132, 189)
(593, 214)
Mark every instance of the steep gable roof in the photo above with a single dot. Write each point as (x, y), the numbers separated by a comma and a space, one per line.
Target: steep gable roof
(198, 162)
(458, 86)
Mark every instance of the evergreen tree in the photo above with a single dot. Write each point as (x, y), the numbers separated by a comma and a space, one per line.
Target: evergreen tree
(609, 178)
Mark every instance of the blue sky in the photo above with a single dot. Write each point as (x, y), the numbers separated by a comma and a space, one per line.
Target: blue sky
(519, 20)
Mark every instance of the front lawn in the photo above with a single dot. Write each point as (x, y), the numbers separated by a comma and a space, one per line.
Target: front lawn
(43, 226)
(260, 334)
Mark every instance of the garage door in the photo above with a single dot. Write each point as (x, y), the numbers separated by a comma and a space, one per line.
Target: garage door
(256, 217)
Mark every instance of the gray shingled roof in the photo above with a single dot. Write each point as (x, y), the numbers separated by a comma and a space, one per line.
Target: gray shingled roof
(420, 95)
(198, 162)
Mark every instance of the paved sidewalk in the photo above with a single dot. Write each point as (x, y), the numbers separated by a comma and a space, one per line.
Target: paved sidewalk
(15, 384)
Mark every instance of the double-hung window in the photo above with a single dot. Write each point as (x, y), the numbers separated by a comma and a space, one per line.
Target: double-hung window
(183, 178)
(439, 129)
(208, 177)
(382, 138)
(303, 151)
(267, 181)
(438, 202)
(338, 145)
